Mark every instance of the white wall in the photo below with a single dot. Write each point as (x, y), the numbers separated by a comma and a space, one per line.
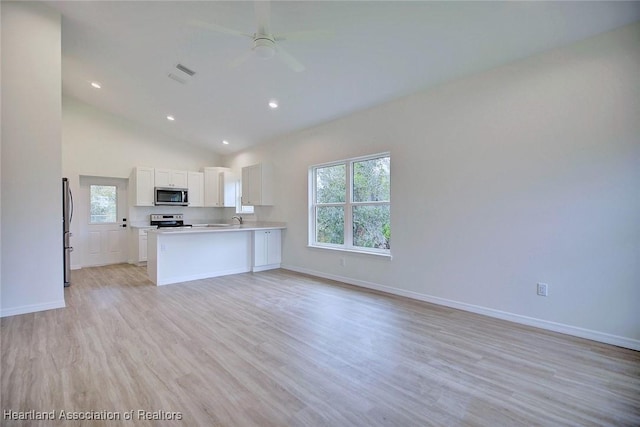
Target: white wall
(527, 173)
(0, 168)
(32, 271)
(96, 143)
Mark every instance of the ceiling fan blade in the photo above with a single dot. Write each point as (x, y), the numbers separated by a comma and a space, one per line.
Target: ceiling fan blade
(219, 28)
(305, 36)
(289, 60)
(241, 59)
(263, 16)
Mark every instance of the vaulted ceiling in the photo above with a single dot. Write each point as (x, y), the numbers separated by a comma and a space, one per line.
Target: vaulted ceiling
(358, 55)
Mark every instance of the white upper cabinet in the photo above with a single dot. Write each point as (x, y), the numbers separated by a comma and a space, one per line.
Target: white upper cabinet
(171, 178)
(257, 185)
(219, 187)
(141, 183)
(163, 177)
(196, 189)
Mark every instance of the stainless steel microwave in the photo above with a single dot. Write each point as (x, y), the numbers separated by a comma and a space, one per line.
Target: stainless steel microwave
(171, 196)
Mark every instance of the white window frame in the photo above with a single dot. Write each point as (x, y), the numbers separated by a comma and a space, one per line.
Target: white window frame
(348, 205)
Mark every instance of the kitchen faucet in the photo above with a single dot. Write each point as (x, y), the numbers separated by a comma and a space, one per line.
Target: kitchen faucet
(238, 217)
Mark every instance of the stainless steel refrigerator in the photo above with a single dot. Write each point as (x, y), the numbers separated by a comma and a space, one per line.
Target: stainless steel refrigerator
(67, 215)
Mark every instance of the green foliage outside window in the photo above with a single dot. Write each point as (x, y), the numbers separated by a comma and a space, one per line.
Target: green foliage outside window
(330, 188)
(372, 223)
(331, 184)
(330, 225)
(368, 206)
(103, 204)
(371, 226)
(371, 180)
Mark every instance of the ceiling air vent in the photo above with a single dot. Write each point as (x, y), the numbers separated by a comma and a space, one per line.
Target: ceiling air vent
(177, 78)
(185, 70)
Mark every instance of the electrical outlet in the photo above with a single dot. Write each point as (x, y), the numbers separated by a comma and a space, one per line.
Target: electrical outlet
(343, 262)
(543, 289)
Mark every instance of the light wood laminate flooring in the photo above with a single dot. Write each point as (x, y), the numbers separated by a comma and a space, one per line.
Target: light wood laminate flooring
(279, 348)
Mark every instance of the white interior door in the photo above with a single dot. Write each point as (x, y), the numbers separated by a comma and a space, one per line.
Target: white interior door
(104, 233)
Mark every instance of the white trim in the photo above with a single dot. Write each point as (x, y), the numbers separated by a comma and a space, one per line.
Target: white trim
(354, 159)
(589, 334)
(33, 308)
(353, 251)
(265, 267)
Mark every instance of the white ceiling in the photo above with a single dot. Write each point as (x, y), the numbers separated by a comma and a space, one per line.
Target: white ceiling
(378, 51)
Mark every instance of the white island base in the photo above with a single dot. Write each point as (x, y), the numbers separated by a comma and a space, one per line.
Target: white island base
(181, 256)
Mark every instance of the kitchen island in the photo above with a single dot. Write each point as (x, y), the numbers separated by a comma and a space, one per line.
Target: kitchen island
(211, 250)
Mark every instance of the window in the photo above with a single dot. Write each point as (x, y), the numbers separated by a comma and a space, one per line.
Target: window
(350, 204)
(103, 204)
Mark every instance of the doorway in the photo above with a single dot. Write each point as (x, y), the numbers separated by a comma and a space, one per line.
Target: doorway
(102, 219)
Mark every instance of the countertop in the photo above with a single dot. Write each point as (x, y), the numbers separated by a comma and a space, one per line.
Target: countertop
(220, 228)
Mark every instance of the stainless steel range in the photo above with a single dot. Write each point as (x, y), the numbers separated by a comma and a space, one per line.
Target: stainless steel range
(168, 220)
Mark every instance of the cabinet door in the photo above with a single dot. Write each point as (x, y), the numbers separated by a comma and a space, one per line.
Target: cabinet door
(143, 186)
(163, 178)
(274, 247)
(257, 185)
(179, 179)
(260, 248)
(171, 178)
(267, 248)
(252, 185)
(244, 185)
(196, 189)
(211, 187)
(229, 189)
(142, 247)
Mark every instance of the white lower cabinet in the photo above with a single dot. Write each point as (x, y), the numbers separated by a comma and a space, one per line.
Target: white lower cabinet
(138, 245)
(267, 249)
(142, 246)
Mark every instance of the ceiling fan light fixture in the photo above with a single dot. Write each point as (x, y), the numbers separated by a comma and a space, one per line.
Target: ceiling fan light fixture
(265, 48)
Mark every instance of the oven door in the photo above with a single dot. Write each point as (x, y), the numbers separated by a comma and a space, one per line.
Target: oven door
(171, 197)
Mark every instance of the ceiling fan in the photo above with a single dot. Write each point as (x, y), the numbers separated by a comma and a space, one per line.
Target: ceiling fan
(265, 44)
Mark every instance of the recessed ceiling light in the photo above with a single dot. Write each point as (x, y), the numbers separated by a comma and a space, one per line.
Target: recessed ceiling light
(273, 103)
(171, 118)
(225, 142)
(96, 85)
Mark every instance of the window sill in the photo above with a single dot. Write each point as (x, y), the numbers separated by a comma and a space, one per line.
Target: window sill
(353, 251)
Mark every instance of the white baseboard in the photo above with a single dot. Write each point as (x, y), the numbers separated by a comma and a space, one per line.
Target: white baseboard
(512, 317)
(265, 267)
(31, 308)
